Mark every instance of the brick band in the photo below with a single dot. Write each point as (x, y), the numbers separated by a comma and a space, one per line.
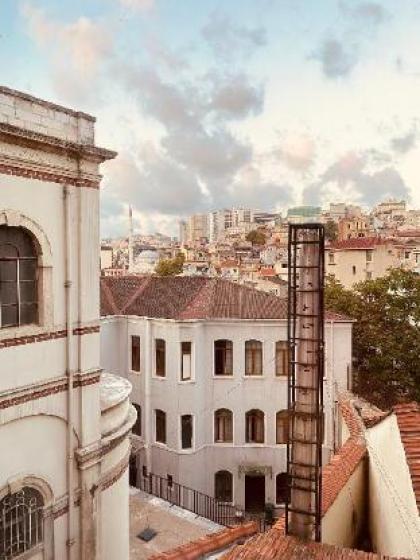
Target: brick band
(42, 337)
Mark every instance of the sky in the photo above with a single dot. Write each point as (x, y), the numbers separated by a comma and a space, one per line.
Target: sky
(211, 104)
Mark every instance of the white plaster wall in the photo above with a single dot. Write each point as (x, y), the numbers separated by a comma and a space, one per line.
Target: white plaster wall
(394, 518)
(206, 393)
(346, 517)
(115, 520)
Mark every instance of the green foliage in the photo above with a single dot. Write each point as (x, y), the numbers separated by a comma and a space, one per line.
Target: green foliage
(331, 230)
(170, 267)
(256, 237)
(386, 335)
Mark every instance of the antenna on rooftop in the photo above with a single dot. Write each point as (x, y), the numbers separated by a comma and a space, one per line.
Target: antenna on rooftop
(305, 380)
(130, 239)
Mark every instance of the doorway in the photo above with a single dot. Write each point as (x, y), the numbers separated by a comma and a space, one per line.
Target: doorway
(254, 492)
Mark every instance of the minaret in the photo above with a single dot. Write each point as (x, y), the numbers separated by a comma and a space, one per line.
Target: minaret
(130, 239)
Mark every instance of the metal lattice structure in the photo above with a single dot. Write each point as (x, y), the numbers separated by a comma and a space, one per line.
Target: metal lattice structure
(305, 380)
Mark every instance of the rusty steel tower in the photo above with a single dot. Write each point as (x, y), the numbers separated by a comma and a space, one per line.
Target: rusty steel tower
(305, 380)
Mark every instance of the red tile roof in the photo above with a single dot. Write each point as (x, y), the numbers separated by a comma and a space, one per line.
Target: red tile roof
(357, 243)
(213, 542)
(187, 297)
(408, 417)
(273, 546)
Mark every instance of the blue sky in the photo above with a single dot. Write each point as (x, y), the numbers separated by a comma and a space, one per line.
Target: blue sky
(264, 103)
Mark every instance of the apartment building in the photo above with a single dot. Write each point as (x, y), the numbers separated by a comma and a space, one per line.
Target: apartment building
(357, 259)
(64, 426)
(208, 361)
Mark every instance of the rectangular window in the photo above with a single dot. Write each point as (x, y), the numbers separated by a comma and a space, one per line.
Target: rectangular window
(160, 357)
(330, 258)
(223, 358)
(160, 421)
(282, 358)
(253, 357)
(135, 353)
(185, 361)
(186, 431)
(137, 426)
(368, 275)
(354, 269)
(369, 254)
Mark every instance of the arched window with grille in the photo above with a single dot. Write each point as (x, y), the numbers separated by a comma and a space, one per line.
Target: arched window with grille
(223, 486)
(282, 426)
(21, 522)
(254, 426)
(223, 426)
(18, 277)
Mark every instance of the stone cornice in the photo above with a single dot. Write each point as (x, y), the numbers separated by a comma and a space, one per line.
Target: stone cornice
(20, 136)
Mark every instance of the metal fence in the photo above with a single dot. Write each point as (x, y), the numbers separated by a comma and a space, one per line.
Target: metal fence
(190, 499)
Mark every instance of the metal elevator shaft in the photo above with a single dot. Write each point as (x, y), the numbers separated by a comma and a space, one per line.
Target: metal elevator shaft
(305, 380)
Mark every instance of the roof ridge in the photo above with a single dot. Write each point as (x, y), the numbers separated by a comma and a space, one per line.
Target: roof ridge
(136, 293)
(109, 296)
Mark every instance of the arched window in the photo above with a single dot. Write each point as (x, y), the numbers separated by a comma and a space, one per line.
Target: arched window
(21, 525)
(160, 426)
(282, 490)
(254, 426)
(282, 358)
(282, 426)
(18, 277)
(253, 357)
(223, 357)
(223, 486)
(223, 426)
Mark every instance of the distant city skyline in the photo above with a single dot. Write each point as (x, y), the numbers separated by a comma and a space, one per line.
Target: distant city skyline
(267, 104)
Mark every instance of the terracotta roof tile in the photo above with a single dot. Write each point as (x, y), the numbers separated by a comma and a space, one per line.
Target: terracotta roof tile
(358, 243)
(408, 417)
(189, 297)
(209, 543)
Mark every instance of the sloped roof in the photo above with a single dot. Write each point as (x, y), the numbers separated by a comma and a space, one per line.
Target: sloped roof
(358, 243)
(408, 417)
(188, 297)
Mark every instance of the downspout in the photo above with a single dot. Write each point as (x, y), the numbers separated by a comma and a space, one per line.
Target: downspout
(147, 410)
(69, 370)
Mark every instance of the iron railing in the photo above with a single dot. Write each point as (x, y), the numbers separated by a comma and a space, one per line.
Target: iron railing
(198, 503)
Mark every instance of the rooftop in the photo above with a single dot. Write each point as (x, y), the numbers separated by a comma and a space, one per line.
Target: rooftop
(358, 243)
(408, 417)
(189, 298)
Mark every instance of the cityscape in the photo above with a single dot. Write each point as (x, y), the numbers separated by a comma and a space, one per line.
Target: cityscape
(209, 280)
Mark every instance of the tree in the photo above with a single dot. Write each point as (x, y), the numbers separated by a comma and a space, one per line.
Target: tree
(170, 267)
(386, 335)
(256, 237)
(331, 230)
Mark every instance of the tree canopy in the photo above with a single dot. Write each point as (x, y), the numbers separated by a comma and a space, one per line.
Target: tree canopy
(386, 335)
(256, 237)
(170, 267)
(331, 230)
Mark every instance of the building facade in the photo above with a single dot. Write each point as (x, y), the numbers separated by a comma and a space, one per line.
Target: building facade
(208, 362)
(63, 425)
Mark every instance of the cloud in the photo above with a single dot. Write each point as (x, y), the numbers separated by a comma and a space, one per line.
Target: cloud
(141, 5)
(234, 96)
(403, 144)
(228, 40)
(76, 52)
(296, 151)
(370, 13)
(336, 60)
(351, 178)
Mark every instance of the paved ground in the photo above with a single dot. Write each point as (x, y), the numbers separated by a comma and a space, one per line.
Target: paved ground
(174, 526)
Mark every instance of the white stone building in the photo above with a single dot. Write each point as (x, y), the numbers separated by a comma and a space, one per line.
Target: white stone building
(208, 362)
(63, 427)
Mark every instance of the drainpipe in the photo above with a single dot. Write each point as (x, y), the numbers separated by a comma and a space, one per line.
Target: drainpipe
(147, 409)
(69, 370)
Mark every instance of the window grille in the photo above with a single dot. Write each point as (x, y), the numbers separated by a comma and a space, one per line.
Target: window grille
(18, 278)
(21, 522)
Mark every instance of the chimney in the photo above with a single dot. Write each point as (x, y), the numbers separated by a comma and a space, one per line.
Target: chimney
(306, 372)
